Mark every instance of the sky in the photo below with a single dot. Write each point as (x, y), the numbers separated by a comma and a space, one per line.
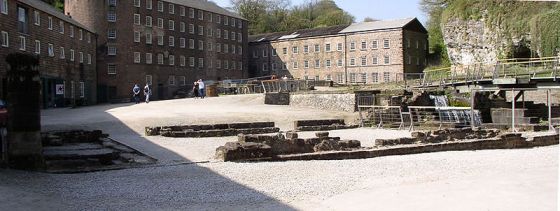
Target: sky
(377, 9)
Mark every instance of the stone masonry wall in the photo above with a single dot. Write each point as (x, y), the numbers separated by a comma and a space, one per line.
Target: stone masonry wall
(336, 102)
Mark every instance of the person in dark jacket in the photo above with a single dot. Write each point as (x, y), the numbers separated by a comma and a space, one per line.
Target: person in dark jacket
(195, 90)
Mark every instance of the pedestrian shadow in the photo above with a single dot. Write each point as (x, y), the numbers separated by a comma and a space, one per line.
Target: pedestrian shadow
(165, 186)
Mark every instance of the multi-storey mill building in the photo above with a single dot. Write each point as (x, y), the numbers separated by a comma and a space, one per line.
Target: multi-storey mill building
(368, 52)
(166, 43)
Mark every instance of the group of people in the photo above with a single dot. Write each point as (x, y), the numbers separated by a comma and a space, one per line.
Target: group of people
(136, 93)
(199, 89)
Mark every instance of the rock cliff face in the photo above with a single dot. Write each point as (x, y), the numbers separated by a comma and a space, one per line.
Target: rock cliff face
(470, 41)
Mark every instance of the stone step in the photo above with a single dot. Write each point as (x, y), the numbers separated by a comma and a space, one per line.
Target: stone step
(103, 155)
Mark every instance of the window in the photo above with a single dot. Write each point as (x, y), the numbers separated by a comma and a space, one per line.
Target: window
(62, 54)
(386, 76)
(191, 44)
(265, 67)
(417, 60)
(295, 50)
(171, 8)
(136, 57)
(160, 58)
(386, 60)
(409, 59)
(265, 53)
(171, 41)
(209, 46)
(111, 50)
(149, 4)
(305, 64)
(81, 34)
(71, 55)
(305, 49)
(317, 48)
(37, 47)
(218, 47)
(295, 65)
(89, 58)
(328, 47)
(255, 54)
(160, 23)
(37, 18)
(171, 80)
(183, 11)
(374, 44)
(148, 38)
(160, 39)
(201, 30)
(191, 28)
(5, 39)
(232, 35)
(191, 61)
(352, 77)
(137, 3)
(22, 20)
(200, 45)
(353, 46)
(81, 57)
(136, 36)
(273, 52)
(111, 69)
(233, 22)
(328, 78)
(340, 78)
(209, 32)
(200, 15)
(417, 44)
(113, 3)
(171, 25)
(226, 34)
(182, 80)
(191, 12)
(22, 43)
(148, 58)
(364, 61)
(284, 51)
(218, 64)
(364, 45)
(112, 33)
(137, 19)
(375, 77)
(408, 43)
(200, 62)
(50, 23)
(71, 31)
(111, 16)
(317, 63)
(352, 62)
(273, 66)
(149, 21)
(182, 61)
(160, 6)
(386, 43)
(219, 33)
(339, 47)
(375, 62)
(182, 26)
(149, 79)
(363, 77)
(182, 43)
(328, 63)
(171, 60)
(339, 63)
(82, 90)
(226, 48)
(4, 7)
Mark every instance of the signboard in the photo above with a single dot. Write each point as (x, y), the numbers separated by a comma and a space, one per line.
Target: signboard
(60, 89)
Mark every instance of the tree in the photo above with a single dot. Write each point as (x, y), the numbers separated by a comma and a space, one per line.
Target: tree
(438, 50)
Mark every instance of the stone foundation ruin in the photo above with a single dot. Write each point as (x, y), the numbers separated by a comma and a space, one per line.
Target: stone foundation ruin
(321, 125)
(215, 130)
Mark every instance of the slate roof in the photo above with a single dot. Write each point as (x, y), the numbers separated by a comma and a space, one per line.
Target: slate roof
(207, 6)
(47, 8)
(341, 29)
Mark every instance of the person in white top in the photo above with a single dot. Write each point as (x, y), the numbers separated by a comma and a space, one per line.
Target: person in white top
(147, 92)
(201, 89)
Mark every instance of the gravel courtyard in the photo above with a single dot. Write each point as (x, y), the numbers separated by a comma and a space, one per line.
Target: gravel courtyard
(188, 178)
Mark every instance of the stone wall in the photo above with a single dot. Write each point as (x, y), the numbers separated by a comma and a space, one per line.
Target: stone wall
(335, 102)
(470, 42)
(274, 98)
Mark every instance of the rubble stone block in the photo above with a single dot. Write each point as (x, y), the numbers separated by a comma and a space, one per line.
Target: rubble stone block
(322, 134)
(327, 145)
(235, 151)
(349, 144)
(291, 135)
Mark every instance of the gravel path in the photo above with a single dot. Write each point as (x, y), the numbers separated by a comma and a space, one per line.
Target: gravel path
(472, 180)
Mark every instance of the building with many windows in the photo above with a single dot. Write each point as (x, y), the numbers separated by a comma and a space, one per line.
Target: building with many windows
(166, 43)
(368, 52)
(66, 51)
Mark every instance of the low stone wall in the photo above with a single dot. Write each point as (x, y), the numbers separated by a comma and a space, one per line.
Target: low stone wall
(213, 129)
(335, 102)
(277, 98)
(218, 132)
(321, 125)
(251, 147)
(452, 134)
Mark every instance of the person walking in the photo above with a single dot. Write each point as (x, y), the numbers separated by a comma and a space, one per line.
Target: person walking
(195, 90)
(147, 93)
(201, 88)
(136, 93)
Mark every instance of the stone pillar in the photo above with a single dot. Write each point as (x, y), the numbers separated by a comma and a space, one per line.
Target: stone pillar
(24, 119)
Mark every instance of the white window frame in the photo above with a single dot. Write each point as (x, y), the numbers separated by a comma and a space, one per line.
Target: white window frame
(72, 58)
(149, 20)
(137, 58)
(171, 41)
(5, 39)
(136, 3)
(62, 54)
(137, 19)
(137, 36)
(37, 47)
(171, 60)
(149, 5)
(111, 69)
(22, 43)
(149, 58)
(4, 7)
(36, 17)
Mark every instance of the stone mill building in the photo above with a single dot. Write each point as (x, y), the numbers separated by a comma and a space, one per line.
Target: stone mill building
(368, 52)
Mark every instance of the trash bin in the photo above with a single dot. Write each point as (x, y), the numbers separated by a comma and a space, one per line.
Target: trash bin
(212, 90)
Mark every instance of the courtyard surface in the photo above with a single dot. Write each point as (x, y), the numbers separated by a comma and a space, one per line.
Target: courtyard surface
(188, 177)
